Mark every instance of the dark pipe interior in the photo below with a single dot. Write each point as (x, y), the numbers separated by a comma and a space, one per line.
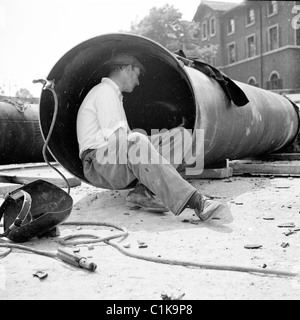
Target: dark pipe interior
(162, 100)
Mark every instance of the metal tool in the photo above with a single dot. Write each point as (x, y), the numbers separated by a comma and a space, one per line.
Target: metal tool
(76, 260)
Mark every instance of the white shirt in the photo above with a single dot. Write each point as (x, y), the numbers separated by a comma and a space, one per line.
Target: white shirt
(100, 115)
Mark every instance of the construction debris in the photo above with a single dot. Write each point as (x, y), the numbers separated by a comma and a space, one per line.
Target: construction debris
(41, 275)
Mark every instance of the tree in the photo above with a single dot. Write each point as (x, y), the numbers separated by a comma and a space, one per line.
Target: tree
(208, 53)
(161, 25)
(166, 26)
(24, 93)
(2, 91)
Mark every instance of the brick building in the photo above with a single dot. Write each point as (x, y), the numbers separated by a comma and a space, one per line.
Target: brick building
(258, 41)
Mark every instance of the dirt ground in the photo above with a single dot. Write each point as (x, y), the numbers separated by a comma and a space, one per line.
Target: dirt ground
(256, 207)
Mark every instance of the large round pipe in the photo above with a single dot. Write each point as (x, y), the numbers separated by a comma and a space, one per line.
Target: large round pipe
(167, 93)
(21, 140)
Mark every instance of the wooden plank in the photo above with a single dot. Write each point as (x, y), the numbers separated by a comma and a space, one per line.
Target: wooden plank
(221, 170)
(266, 168)
(38, 165)
(212, 174)
(59, 182)
(279, 157)
(24, 174)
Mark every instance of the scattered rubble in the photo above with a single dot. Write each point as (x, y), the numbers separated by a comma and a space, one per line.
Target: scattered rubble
(253, 246)
(41, 275)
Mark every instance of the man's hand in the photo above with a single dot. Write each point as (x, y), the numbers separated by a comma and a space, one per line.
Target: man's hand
(183, 124)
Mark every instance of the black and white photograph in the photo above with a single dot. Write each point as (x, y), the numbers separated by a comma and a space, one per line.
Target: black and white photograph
(149, 153)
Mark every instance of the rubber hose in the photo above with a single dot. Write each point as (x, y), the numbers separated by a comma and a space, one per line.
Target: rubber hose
(66, 241)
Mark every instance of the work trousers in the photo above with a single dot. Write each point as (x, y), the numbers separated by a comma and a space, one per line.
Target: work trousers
(139, 158)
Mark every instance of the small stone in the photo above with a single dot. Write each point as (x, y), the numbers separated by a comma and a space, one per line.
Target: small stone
(285, 245)
(253, 246)
(143, 246)
(282, 187)
(289, 233)
(287, 225)
(41, 275)
(268, 218)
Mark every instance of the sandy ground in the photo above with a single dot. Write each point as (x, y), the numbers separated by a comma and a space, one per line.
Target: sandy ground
(250, 204)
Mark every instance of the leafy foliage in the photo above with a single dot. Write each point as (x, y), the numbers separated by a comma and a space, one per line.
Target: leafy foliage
(24, 93)
(166, 26)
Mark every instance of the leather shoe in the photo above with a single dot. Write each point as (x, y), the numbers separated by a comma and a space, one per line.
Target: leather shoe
(142, 197)
(205, 208)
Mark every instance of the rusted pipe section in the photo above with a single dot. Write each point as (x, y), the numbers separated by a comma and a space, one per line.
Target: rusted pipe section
(168, 93)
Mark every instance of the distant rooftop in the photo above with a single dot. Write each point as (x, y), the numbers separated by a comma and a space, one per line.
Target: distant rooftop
(219, 6)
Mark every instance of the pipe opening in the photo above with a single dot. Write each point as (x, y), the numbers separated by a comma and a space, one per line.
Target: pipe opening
(163, 100)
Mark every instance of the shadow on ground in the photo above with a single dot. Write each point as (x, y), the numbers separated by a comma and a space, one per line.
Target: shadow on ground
(110, 207)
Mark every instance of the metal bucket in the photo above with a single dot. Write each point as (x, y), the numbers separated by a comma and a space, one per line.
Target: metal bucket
(167, 93)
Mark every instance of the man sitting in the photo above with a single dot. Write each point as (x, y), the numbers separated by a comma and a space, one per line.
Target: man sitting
(103, 131)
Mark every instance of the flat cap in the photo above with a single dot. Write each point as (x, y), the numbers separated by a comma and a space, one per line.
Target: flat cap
(127, 59)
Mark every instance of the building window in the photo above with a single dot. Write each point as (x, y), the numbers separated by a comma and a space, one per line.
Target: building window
(212, 27)
(231, 53)
(204, 31)
(272, 7)
(231, 26)
(250, 16)
(298, 37)
(275, 82)
(251, 48)
(273, 38)
(252, 82)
